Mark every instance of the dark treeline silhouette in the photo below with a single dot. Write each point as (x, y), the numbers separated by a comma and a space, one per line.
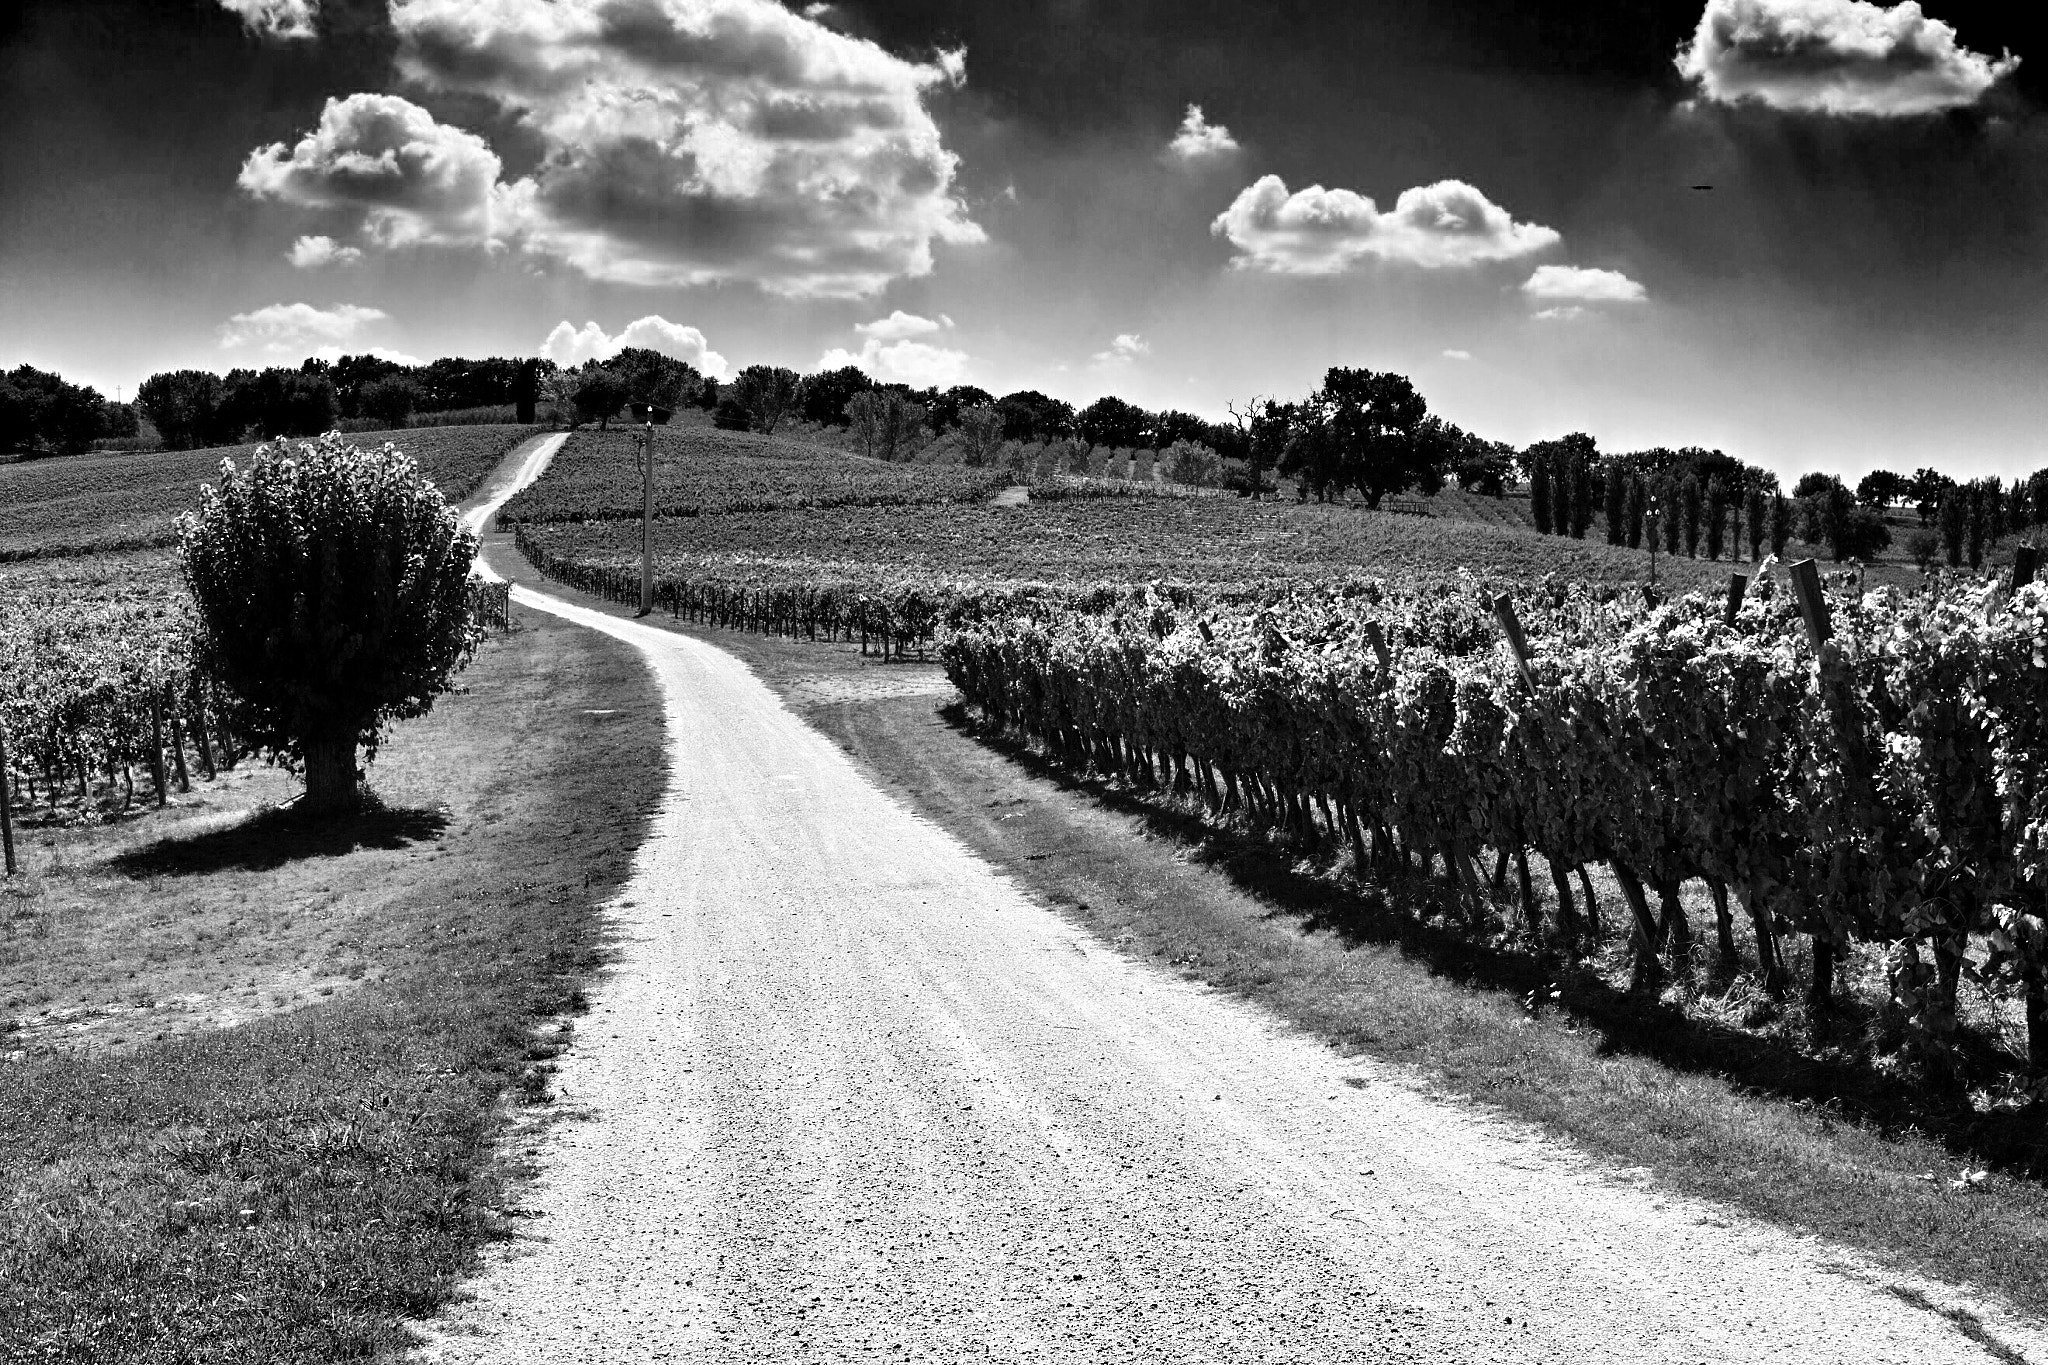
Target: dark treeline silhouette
(41, 414)
(1360, 430)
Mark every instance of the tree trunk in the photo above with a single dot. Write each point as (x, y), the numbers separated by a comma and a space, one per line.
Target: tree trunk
(331, 787)
(2037, 1021)
(1724, 924)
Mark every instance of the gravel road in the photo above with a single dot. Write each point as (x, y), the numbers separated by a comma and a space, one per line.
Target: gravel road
(848, 1094)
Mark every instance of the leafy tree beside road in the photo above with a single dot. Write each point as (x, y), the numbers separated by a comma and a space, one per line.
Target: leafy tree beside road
(331, 585)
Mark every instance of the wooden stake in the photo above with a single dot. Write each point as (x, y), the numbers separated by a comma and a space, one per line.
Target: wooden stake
(156, 751)
(1511, 625)
(1377, 638)
(6, 809)
(1738, 584)
(1813, 605)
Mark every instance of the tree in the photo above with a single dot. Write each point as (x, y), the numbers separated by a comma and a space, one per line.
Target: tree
(1954, 518)
(1717, 517)
(1815, 483)
(1756, 511)
(1883, 487)
(651, 377)
(1110, 421)
(822, 397)
(599, 394)
(945, 408)
(1617, 507)
(1638, 500)
(981, 433)
(1781, 523)
(1539, 494)
(886, 425)
(1171, 427)
(1926, 490)
(332, 594)
(729, 415)
(1483, 466)
(121, 421)
(768, 393)
(1977, 523)
(390, 400)
(1029, 415)
(1582, 496)
(525, 391)
(184, 406)
(1192, 463)
(1854, 532)
(1372, 431)
(41, 414)
(1690, 501)
(1923, 546)
(1263, 428)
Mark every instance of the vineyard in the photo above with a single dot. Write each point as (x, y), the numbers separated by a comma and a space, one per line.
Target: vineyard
(1888, 788)
(97, 690)
(700, 470)
(85, 504)
(95, 683)
(943, 553)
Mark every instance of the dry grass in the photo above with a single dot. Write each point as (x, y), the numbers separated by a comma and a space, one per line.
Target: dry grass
(295, 1187)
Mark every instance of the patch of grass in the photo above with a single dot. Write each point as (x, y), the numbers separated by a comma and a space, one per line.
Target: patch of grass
(83, 504)
(295, 1187)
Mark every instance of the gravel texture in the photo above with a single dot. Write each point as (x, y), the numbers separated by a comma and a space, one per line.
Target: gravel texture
(847, 1094)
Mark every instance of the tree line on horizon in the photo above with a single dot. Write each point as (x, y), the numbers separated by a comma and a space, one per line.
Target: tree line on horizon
(1359, 430)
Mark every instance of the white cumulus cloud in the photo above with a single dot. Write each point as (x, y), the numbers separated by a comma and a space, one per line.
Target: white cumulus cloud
(692, 142)
(310, 253)
(1453, 353)
(1200, 140)
(276, 18)
(1562, 313)
(916, 363)
(412, 178)
(1582, 284)
(1323, 232)
(287, 326)
(1834, 57)
(1123, 350)
(567, 345)
(898, 326)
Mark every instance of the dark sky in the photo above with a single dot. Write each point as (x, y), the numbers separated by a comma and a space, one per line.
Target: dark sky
(1855, 289)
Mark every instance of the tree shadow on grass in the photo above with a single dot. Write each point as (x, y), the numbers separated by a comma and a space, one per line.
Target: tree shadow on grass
(272, 838)
(1624, 1021)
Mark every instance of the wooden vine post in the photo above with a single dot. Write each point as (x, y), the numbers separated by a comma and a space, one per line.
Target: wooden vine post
(156, 750)
(1560, 877)
(6, 807)
(1738, 584)
(1813, 610)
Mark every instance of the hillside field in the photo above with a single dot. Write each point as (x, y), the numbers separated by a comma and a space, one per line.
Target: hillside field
(80, 504)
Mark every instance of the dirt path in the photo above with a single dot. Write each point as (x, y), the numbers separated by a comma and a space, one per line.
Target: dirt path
(850, 1095)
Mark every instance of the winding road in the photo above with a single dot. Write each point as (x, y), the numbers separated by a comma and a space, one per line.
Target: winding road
(848, 1094)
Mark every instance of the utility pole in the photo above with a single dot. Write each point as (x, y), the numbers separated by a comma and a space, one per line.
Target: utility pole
(650, 416)
(647, 518)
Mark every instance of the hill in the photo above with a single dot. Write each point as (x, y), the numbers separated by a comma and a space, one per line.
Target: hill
(83, 504)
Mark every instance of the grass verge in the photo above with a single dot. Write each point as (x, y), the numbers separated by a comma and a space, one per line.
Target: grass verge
(295, 1188)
